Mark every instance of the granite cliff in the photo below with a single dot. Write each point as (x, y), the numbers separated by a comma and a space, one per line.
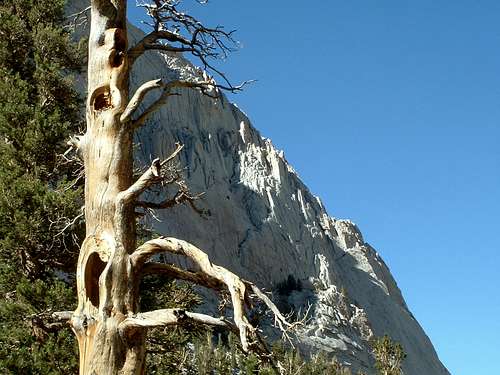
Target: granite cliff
(266, 225)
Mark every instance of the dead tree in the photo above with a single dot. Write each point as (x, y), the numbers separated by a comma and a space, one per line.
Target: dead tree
(110, 329)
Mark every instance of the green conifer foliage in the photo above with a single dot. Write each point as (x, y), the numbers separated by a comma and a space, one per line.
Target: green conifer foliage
(203, 357)
(39, 110)
(168, 349)
(389, 356)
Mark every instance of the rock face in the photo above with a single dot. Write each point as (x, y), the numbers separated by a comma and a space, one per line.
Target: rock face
(265, 225)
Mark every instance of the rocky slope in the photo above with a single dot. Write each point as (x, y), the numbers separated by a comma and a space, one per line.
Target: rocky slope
(266, 225)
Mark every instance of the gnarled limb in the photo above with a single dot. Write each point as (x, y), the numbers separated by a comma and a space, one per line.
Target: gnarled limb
(175, 272)
(210, 275)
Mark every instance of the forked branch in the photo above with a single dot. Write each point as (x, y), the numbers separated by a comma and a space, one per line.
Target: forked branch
(152, 176)
(207, 86)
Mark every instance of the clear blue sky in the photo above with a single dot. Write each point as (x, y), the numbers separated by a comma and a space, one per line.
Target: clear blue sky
(390, 112)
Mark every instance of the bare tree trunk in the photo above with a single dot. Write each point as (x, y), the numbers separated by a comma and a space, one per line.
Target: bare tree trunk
(111, 332)
(105, 280)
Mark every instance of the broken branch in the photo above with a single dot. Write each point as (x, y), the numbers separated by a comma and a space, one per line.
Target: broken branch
(152, 176)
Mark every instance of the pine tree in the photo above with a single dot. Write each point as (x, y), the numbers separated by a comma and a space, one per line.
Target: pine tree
(389, 356)
(39, 198)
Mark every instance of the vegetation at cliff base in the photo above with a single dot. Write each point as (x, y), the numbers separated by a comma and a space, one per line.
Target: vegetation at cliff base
(389, 356)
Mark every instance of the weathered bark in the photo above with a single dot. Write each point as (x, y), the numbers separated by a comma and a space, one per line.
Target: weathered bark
(106, 283)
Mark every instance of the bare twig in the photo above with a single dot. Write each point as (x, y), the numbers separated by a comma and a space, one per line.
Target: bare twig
(78, 19)
(176, 31)
(70, 222)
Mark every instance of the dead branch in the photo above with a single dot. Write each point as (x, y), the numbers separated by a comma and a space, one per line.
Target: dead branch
(168, 317)
(49, 321)
(152, 176)
(150, 42)
(206, 87)
(62, 316)
(215, 275)
(175, 31)
(78, 19)
(183, 195)
(74, 154)
(75, 142)
(137, 98)
(67, 222)
(202, 279)
(175, 272)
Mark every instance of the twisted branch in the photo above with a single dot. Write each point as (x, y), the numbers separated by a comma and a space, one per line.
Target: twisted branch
(211, 276)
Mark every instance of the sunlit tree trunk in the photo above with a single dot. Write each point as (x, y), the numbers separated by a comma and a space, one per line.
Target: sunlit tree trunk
(106, 292)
